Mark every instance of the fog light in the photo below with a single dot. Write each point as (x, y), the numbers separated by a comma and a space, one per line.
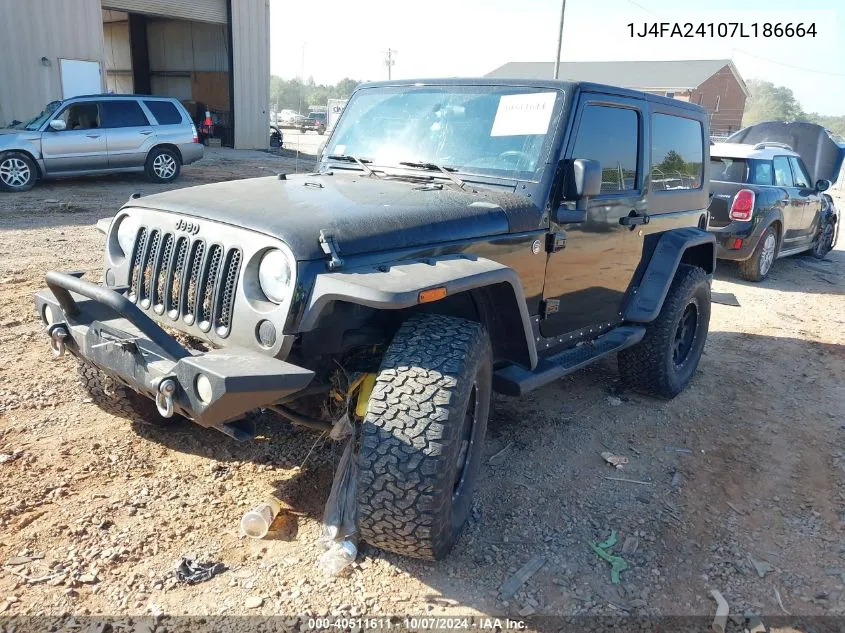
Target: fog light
(266, 333)
(47, 314)
(204, 391)
(737, 243)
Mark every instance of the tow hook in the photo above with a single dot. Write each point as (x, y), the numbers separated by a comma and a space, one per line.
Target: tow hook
(57, 333)
(164, 397)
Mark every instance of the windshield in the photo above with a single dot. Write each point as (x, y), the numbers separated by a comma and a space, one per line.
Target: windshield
(36, 122)
(486, 130)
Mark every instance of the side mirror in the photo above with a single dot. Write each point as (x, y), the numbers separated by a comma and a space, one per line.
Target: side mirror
(822, 185)
(581, 181)
(58, 125)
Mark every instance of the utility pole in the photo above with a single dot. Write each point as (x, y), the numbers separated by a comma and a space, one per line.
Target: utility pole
(389, 62)
(560, 39)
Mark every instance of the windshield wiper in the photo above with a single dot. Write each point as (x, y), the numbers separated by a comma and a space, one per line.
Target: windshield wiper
(354, 159)
(447, 171)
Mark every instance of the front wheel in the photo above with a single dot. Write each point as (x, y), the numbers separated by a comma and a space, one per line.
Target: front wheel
(423, 436)
(662, 364)
(163, 165)
(17, 172)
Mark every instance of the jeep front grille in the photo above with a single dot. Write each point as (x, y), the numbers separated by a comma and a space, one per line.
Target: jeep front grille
(185, 279)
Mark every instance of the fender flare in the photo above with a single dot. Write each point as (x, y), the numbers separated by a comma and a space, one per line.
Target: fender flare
(775, 214)
(673, 247)
(397, 286)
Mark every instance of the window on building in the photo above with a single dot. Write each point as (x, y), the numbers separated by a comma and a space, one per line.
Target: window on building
(718, 101)
(783, 173)
(610, 136)
(677, 153)
(81, 116)
(700, 97)
(123, 113)
(799, 175)
(164, 112)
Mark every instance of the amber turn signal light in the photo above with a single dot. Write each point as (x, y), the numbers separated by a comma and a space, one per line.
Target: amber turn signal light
(432, 294)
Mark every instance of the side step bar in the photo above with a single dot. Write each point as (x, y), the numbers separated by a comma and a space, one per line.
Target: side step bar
(514, 380)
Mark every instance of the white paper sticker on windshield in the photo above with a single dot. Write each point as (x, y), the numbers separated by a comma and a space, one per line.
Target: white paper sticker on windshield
(524, 114)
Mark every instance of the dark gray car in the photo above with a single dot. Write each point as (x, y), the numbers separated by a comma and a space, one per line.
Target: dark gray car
(99, 134)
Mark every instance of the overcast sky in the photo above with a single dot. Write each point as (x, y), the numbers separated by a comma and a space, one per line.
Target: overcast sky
(333, 39)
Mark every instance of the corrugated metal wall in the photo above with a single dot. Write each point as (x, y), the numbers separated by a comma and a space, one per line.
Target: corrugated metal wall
(251, 61)
(202, 10)
(70, 29)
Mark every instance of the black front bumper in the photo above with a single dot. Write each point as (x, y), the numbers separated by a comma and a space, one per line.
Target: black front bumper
(110, 332)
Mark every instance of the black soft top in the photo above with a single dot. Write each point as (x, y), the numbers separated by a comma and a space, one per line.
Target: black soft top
(550, 84)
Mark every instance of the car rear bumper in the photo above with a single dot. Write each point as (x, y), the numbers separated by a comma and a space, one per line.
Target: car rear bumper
(727, 236)
(191, 152)
(107, 330)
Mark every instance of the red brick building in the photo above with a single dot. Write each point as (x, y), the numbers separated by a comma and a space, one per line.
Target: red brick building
(714, 84)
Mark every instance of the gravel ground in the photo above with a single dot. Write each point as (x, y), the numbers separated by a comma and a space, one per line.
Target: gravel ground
(740, 477)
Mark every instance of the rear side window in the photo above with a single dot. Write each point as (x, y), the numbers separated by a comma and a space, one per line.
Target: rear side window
(123, 113)
(728, 169)
(610, 136)
(783, 173)
(799, 174)
(164, 112)
(761, 172)
(677, 153)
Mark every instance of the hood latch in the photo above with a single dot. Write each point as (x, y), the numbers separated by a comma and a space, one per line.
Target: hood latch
(329, 247)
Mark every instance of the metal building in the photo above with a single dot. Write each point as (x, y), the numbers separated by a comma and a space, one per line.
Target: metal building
(211, 54)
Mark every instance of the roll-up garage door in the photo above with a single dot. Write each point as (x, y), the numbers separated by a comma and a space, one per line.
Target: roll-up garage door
(200, 10)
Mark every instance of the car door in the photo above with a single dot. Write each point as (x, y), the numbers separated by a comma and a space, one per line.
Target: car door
(793, 209)
(807, 197)
(129, 135)
(80, 146)
(587, 279)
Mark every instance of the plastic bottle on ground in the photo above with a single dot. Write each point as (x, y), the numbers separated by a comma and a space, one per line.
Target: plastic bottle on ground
(256, 522)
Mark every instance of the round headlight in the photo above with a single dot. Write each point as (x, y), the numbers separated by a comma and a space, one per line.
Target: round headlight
(127, 230)
(275, 275)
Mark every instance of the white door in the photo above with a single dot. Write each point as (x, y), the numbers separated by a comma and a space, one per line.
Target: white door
(80, 78)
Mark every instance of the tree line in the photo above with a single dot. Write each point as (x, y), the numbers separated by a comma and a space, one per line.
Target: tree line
(768, 102)
(296, 94)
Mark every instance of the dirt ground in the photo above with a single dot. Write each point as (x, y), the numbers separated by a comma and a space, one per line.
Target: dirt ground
(736, 485)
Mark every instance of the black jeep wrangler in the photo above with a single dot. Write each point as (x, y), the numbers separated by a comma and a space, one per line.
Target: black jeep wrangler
(459, 237)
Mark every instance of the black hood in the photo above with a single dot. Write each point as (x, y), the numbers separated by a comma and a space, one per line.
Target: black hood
(820, 153)
(364, 214)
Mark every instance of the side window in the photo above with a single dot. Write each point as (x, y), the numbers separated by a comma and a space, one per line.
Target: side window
(783, 174)
(610, 136)
(123, 113)
(761, 172)
(164, 112)
(677, 154)
(81, 116)
(799, 174)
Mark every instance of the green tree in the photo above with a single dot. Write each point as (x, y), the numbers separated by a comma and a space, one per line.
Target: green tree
(294, 94)
(768, 102)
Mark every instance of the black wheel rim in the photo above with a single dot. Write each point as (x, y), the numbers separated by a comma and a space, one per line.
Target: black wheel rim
(465, 442)
(685, 334)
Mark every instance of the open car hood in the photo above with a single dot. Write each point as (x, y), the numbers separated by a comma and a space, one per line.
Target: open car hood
(821, 154)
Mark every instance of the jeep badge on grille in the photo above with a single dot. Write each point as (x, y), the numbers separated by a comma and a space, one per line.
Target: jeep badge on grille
(189, 227)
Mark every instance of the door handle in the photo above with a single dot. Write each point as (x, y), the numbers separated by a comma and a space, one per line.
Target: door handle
(633, 219)
(146, 132)
(93, 135)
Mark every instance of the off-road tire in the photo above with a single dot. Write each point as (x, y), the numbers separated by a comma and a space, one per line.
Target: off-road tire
(413, 434)
(114, 398)
(750, 269)
(154, 172)
(21, 164)
(649, 366)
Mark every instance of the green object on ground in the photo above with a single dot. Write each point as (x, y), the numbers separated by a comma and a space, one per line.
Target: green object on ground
(617, 563)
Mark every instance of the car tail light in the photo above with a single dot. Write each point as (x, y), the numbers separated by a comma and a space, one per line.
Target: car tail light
(743, 205)
(194, 132)
(737, 243)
